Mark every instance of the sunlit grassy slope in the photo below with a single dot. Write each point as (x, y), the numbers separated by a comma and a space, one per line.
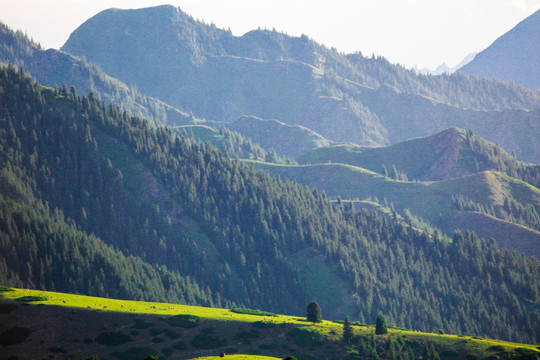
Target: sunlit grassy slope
(225, 322)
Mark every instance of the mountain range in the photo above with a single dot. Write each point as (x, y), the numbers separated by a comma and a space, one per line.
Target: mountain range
(133, 191)
(269, 75)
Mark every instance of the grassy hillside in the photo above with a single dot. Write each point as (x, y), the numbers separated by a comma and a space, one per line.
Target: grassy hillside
(433, 201)
(39, 324)
(449, 154)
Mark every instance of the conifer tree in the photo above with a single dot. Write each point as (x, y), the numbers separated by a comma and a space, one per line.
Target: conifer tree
(347, 332)
(380, 326)
(314, 312)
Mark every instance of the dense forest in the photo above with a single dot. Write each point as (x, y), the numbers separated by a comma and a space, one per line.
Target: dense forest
(179, 213)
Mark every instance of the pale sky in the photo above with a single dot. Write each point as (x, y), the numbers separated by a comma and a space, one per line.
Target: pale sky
(425, 33)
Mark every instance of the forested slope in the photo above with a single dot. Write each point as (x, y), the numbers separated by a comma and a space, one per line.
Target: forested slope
(162, 200)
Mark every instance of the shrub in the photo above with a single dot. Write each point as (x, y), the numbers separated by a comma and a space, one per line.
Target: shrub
(306, 337)
(113, 338)
(135, 353)
(135, 332)
(268, 346)
(381, 327)
(290, 358)
(155, 332)
(497, 348)
(314, 314)
(32, 298)
(263, 324)
(252, 312)
(6, 289)
(208, 341)
(14, 335)
(185, 321)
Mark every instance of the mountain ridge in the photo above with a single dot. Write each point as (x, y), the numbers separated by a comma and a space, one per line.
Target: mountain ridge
(220, 77)
(510, 57)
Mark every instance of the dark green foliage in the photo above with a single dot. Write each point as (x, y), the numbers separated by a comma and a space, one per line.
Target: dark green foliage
(252, 312)
(380, 326)
(52, 141)
(314, 312)
(158, 339)
(208, 341)
(347, 332)
(306, 337)
(135, 333)
(5, 289)
(151, 357)
(290, 358)
(14, 335)
(7, 308)
(113, 338)
(497, 348)
(185, 321)
(32, 298)
(135, 353)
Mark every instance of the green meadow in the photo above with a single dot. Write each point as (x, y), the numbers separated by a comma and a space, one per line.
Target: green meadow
(79, 326)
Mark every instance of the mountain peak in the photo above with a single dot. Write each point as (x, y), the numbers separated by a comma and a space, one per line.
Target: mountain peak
(510, 57)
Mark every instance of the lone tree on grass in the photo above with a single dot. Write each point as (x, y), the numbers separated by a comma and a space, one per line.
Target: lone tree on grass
(314, 312)
(380, 325)
(347, 332)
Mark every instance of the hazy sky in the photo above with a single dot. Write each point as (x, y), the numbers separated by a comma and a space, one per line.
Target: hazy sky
(410, 32)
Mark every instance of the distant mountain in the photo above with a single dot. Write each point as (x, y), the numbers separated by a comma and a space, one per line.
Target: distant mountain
(344, 98)
(444, 68)
(513, 56)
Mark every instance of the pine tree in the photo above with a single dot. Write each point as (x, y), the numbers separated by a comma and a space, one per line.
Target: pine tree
(380, 326)
(347, 332)
(314, 312)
